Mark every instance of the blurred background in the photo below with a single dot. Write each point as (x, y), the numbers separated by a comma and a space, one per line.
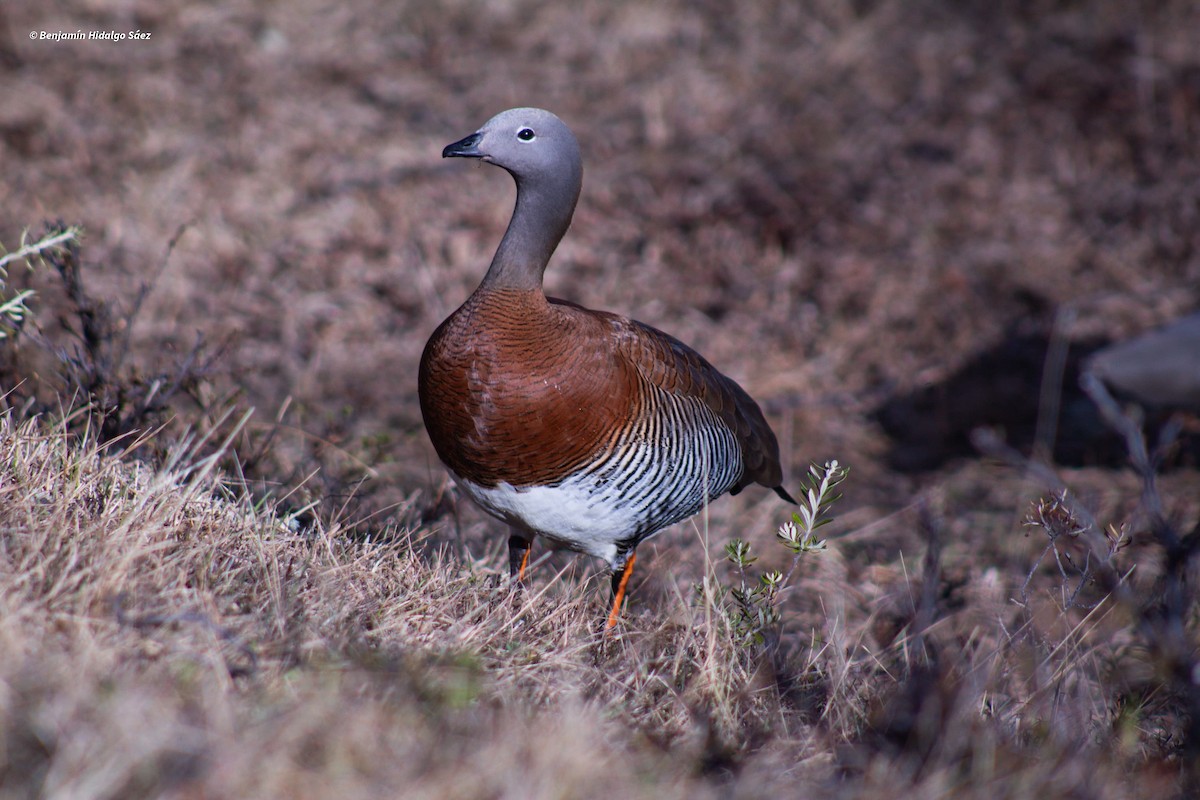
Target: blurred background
(878, 216)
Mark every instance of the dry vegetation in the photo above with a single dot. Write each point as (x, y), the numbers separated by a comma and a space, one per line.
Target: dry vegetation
(894, 222)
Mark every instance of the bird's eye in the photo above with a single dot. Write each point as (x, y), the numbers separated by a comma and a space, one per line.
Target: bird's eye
(526, 134)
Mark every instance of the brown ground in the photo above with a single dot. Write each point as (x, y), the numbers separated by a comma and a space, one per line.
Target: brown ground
(874, 215)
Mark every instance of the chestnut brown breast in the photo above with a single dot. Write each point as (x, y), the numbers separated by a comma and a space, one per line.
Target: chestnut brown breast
(517, 390)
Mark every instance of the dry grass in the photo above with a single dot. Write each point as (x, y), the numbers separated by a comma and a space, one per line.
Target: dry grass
(880, 216)
(161, 638)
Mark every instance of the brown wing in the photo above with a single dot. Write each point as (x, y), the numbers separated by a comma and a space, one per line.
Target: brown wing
(674, 367)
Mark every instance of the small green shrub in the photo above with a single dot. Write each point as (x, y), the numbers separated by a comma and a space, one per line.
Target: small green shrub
(753, 605)
(14, 308)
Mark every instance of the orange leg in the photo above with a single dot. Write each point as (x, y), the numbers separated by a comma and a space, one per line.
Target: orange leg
(619, 585)
(518, 557)
(524, 564)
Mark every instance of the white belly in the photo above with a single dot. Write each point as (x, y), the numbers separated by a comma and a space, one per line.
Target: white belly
(572, 513)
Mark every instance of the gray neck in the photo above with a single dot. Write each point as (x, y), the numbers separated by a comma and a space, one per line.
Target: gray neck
(541, 217)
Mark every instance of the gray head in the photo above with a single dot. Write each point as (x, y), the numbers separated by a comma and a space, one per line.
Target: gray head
(530, 143)
(542, 155)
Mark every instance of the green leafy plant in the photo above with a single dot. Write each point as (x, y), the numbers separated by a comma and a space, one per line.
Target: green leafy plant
(753, 605)
(14, 308)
